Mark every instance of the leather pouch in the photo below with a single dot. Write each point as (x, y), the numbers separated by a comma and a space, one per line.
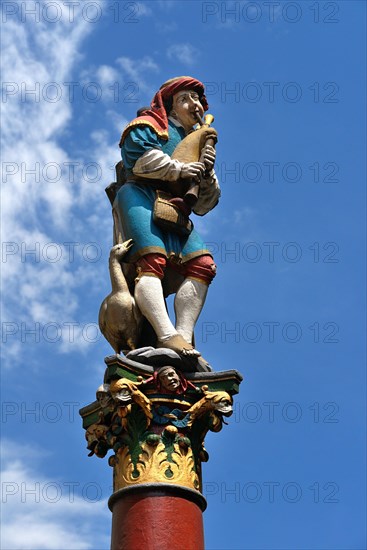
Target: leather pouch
(169, 217)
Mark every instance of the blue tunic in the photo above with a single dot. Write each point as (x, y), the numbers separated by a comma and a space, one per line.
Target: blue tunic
(135, 201)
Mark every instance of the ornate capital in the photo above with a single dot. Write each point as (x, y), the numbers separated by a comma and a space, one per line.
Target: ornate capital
(155, 422)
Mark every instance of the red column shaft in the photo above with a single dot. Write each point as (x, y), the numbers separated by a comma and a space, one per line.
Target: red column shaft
(156, 520)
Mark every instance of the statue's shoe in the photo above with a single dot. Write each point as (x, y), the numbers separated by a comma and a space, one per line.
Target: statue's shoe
(178, 344)
(164, 356)
(203, 365)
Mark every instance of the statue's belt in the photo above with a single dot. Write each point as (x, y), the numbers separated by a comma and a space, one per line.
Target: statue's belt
(157, 185)
(174, 189)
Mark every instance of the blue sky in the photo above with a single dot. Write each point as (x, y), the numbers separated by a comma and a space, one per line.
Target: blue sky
(286, 84)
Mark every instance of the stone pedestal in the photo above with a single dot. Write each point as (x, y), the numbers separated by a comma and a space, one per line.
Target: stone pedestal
(155, 423)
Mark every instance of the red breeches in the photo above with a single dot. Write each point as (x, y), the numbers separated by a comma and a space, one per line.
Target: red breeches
(201, 268)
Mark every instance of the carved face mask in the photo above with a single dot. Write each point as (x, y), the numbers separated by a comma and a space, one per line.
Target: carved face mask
(169, 379)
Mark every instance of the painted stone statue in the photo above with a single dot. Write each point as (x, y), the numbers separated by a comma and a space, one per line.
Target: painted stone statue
(159, 397)
(168, 160)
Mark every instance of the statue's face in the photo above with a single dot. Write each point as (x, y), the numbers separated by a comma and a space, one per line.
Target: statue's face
(185, 107)
(169, 379)
(103, 395)
(103, 398)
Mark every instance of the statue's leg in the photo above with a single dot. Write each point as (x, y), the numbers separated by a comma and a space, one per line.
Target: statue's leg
(189, 302)
(191, 295)
(150, 300)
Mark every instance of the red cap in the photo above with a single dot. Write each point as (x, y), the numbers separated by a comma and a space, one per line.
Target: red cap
(156, 117)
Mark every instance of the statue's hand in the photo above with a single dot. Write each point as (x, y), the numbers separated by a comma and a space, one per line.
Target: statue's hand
(193, 170)
(208, 156)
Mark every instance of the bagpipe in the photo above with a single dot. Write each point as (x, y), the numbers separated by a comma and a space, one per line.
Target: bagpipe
(190, 149)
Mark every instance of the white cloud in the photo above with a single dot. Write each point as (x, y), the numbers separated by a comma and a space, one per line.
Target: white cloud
(105, 80)
(39, 208)
(124, 82)
(32, 123)
(142, 9)
(135, 69)
(185, 53)
(166, 4)
(107, 75)
(39, 513)
(244, 215)
(164, 28)
(118, 121)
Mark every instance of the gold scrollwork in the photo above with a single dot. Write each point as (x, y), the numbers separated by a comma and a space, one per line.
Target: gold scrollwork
(153, 466)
